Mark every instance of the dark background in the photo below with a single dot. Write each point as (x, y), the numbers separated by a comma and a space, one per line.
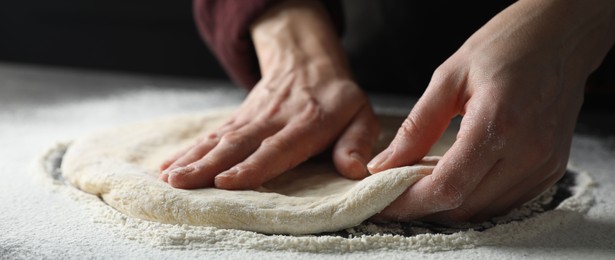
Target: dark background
(159, 37)
(152, 37)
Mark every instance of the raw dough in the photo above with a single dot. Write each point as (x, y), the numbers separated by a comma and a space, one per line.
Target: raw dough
(121, 166)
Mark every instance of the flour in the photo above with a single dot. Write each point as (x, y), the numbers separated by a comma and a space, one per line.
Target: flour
(367, 236)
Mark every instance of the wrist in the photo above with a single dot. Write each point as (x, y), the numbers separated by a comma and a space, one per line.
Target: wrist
(583, 29)
(297, 34)
(591, 34)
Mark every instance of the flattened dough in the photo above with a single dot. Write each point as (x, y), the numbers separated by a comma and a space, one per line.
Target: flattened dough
(121, 166)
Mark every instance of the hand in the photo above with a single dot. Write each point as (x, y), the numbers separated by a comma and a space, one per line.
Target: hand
(305, 101)
(518, 83)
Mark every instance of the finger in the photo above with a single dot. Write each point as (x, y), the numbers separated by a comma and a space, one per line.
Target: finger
(233, 124)
(500, 191)
(503, 186)
(520, 194)
(354, 147)
(484, 194)
(228, 126)
(423, 126)
(233, 147)
(292, 145)
(168, 162)
(455, 177)
(500, 180)
(192, 154)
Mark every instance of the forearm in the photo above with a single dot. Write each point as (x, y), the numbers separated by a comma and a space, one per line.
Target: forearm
(225, 27)
(594, 34)
(578, 32)
(298, 33)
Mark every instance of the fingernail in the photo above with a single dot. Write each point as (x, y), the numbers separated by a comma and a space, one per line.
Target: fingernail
(375, 163)
(164, 177)
(362, 162)
(357, 157)
(182, 170)
(219, 180)
(169, 170)
(228, 173)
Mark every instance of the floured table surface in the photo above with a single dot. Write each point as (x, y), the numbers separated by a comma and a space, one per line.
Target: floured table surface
(41, 106)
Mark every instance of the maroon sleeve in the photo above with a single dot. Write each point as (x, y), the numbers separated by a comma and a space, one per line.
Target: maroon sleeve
(225, 27)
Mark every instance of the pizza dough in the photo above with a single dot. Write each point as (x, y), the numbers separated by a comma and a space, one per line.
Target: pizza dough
(121, 167)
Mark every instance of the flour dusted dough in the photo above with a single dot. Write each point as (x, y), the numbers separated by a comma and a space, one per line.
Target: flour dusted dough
(121, 166)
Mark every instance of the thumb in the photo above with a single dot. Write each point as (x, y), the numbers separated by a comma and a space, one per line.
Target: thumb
(354, 147)
(423, 127)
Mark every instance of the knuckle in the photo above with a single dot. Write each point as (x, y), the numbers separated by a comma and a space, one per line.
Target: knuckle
(235, 139)
(441, 75)
(410, 127)
(496, 135)
(501, 124)
(198, 150)
(312, 114)
(209, 137)
(448, 196)
(538, 153)
(277, 144)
